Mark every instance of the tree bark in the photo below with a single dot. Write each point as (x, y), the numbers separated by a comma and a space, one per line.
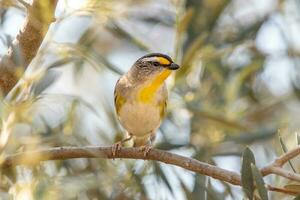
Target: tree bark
(40, 14)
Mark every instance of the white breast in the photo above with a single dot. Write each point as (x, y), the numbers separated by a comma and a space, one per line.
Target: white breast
(139, 119)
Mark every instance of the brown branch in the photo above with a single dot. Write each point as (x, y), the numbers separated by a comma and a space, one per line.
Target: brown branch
(25, 46)
(276, 166)
(62, 153)
(281, 172)
(281, 190)
(280, 161)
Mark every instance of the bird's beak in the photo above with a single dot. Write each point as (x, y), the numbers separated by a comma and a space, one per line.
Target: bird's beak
(173, 66)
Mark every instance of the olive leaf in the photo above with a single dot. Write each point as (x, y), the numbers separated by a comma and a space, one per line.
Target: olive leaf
(297, 197)
(246, 172)
(49, 79)
(259, 182)
(284, 148)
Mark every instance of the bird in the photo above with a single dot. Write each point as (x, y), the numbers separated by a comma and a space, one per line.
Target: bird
(140, 98)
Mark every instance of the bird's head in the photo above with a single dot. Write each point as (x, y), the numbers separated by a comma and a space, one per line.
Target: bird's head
(149, 73)
(154, 63)
(153, 66)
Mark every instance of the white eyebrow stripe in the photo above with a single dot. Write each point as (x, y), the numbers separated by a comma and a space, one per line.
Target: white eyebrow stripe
(151, 59)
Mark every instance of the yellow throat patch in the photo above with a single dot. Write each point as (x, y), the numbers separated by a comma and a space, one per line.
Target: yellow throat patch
(146, 93)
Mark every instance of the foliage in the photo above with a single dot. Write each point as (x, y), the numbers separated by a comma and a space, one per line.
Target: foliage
(220, 101)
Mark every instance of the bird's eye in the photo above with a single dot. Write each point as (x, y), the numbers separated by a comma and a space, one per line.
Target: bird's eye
(156, 64)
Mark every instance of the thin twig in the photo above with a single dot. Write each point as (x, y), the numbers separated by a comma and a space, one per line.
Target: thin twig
(280, 161)
(281, 190)
(276, 166)
(281, 172)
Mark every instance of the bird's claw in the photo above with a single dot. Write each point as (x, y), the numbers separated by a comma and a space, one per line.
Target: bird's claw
(115, 148)
(146, 149)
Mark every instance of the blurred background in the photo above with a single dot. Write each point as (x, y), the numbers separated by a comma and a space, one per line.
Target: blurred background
(238, 86)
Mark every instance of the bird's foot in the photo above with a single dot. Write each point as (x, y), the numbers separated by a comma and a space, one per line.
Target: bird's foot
(146, 149)
(116, 147)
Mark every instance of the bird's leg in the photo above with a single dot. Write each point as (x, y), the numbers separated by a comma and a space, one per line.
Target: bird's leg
(117, 146)
(146, 148)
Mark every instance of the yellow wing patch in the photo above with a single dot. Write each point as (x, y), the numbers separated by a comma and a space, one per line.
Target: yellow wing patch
(163, 61)
(119, 102)
(162, 108)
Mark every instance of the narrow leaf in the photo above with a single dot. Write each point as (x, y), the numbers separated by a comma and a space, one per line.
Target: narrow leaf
(284, 148)
(298, 138)
(159, 172)
(246, 172)
(62, 62)
(186, 191)
(45, 82)
(259, 181)
(297, 197)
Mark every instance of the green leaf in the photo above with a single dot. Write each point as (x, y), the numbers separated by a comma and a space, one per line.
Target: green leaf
(250, 137)
(118, 30)
(139, 181)
(234, 85)
(199, 191)
(62, 62)
(259, 181)
(284, 148)
(298, 138)
(246, 171)
(41, 188)
(160, 174)
(49, 79)
(297, 197)
(187, 192)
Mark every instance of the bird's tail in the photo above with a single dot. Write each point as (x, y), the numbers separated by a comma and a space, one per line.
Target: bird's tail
(140, 141)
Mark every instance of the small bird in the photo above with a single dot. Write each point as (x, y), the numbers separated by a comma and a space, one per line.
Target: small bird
(141, 99)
